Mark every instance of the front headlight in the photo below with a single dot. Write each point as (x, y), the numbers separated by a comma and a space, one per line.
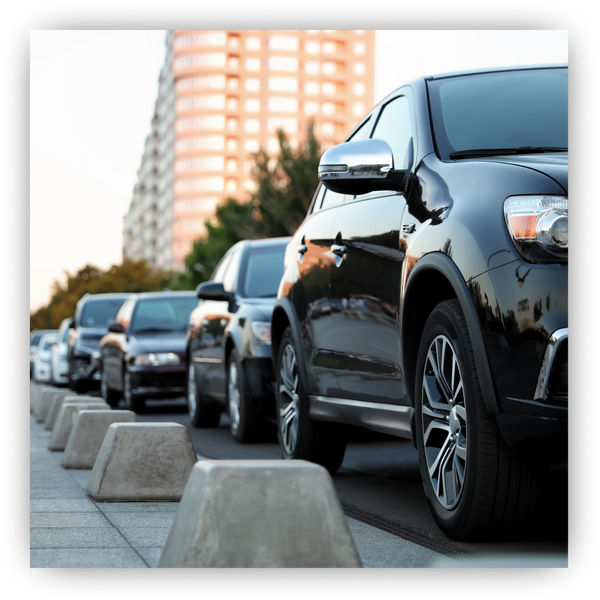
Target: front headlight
(261, 331)
(155, 359)
(539, 227)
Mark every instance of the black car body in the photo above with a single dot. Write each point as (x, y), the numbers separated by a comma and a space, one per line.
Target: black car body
(93, 313)
(143, 354)
(229, 340)
(447, 241)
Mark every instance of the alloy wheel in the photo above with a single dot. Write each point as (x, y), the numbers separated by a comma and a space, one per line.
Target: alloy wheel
(288, 399)
(444, 422)
(234, 396)
(191, 391)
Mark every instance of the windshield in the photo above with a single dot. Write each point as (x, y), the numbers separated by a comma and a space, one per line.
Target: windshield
(48, 343)
(163, 314)
(264, 272)
(35, 340)
(503, 110)
(99, 313)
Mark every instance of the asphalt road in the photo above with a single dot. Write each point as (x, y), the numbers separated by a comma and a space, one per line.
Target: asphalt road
(379, 483)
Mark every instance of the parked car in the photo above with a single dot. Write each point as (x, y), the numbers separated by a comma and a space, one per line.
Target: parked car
(42, 356)
(34, 339)
(93, 313)
(425, 293)
(229, 340)
(59, 366)
(143, 354)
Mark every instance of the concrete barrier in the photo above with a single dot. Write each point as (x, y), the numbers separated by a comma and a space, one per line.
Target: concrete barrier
(259, 513)
(40, 390)
(60, 400)
(89, 431)
(45, 401)
(142, 462)
(64, 422)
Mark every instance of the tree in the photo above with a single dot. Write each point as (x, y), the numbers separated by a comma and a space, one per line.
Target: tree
(131, 276)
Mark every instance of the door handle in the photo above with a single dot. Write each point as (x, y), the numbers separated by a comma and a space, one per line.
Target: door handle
(302, 249)
(338, 249)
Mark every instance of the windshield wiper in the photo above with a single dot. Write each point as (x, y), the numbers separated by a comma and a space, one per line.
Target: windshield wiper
(503, 151)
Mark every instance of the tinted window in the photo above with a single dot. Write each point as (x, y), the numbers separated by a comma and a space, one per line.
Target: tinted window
(264, 272)
(230, 276)
(162, 314)
(331, 198)
(500, 110)
(99, 313)
(394, 126)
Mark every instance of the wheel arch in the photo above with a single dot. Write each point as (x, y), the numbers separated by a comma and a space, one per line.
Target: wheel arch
(433, 279)
(284, 315)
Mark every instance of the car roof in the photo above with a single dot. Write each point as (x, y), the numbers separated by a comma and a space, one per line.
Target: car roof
(265, 242)
(108, 296)
(165, 294)
(496, 69)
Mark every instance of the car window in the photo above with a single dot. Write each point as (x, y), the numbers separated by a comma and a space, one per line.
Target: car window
(124, 314)
(162, 314)
(230, 276)
(394, 126)
(500, 110)
(263, 272)
(100, 313)
(35, 340)
(361, 133)
(331, 198)
(218, 273)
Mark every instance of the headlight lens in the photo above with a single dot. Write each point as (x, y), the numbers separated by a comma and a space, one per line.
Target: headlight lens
(539, 227)
(261, 331)
(154, 359)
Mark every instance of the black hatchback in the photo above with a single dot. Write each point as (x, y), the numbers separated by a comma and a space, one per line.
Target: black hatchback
(425, 293)
(143, 354)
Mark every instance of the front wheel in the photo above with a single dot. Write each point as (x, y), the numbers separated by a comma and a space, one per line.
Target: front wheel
(475, 485)
(299, 436)
(111, 397)
(246, 424)
(200, 413)
(136, 404)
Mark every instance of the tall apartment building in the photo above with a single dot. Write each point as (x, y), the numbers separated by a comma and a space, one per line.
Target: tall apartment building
(223, 95)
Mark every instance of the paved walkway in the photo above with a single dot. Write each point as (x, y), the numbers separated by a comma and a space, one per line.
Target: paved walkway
(69, 529)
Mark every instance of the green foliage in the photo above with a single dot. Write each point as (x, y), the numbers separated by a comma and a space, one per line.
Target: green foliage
(285, 187)
(131, 276)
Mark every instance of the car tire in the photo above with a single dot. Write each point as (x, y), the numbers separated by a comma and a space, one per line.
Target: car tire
(246, 424)
(476, 486)
(131, 402)
(201, 414)
(111, 397)
(299, 436)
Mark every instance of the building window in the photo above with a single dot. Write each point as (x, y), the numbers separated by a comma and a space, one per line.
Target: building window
(311, 108)
(252, 105)
(282, 42)
(359, 48)
(359, 68)
(253, 64)
(252, 125)
(312, 47)
(311, 88)
(282, 84)
(288, 125)
(232, 144)
(282, 63)
(358, 89)
(201, 82)
(312, 67)
(252, 43)
(252, 84)
(358, 109)
(209, 142)
(288, 105)
(252, 145)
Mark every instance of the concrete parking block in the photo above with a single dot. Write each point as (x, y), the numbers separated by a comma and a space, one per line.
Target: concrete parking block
(40, 391)
(259, 513)
(45, 401)
(142, 462)
(89, 431)
(59, 400)
(64, 422)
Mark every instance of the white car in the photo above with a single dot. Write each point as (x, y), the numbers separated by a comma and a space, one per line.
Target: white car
(59, 365)
(42, 357)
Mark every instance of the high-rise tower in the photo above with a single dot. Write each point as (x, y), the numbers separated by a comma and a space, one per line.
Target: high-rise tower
(230, 92)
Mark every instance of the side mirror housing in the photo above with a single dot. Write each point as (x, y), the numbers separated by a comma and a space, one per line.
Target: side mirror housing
(116, 327)
(213, 291)
(361, 167)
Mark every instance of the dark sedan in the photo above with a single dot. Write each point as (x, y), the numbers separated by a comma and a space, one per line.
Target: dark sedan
(229, 340)
(143, 355)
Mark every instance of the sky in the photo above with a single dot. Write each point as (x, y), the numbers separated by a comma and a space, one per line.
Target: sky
(92, 96)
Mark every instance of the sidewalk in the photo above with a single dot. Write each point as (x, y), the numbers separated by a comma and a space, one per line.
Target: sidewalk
(69, 529)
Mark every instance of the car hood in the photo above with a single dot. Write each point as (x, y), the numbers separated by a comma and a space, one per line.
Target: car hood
(555, 165)
(154, 342)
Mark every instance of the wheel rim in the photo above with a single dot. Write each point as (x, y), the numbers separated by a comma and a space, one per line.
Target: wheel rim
(191, 391)
(444, 422)
(127, 390)
(234, 397)
(288, 399)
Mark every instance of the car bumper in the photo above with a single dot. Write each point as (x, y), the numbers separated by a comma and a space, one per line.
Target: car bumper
(158, 382)
(523, 313)
(60, 372)
(42, 371)
(260, 378)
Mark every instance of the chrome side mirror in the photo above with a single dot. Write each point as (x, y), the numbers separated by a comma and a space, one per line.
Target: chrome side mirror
(361, 167)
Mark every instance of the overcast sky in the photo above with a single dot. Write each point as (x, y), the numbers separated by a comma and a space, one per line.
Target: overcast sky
(92, 98)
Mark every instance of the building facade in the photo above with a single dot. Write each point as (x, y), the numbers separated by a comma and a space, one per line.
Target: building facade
(223, 95)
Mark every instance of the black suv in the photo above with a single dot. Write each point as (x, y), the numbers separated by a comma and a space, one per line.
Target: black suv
(93, 313)
(425, 293)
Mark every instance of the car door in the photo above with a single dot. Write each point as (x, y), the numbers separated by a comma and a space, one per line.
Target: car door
(366, 262)
(208, 351)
